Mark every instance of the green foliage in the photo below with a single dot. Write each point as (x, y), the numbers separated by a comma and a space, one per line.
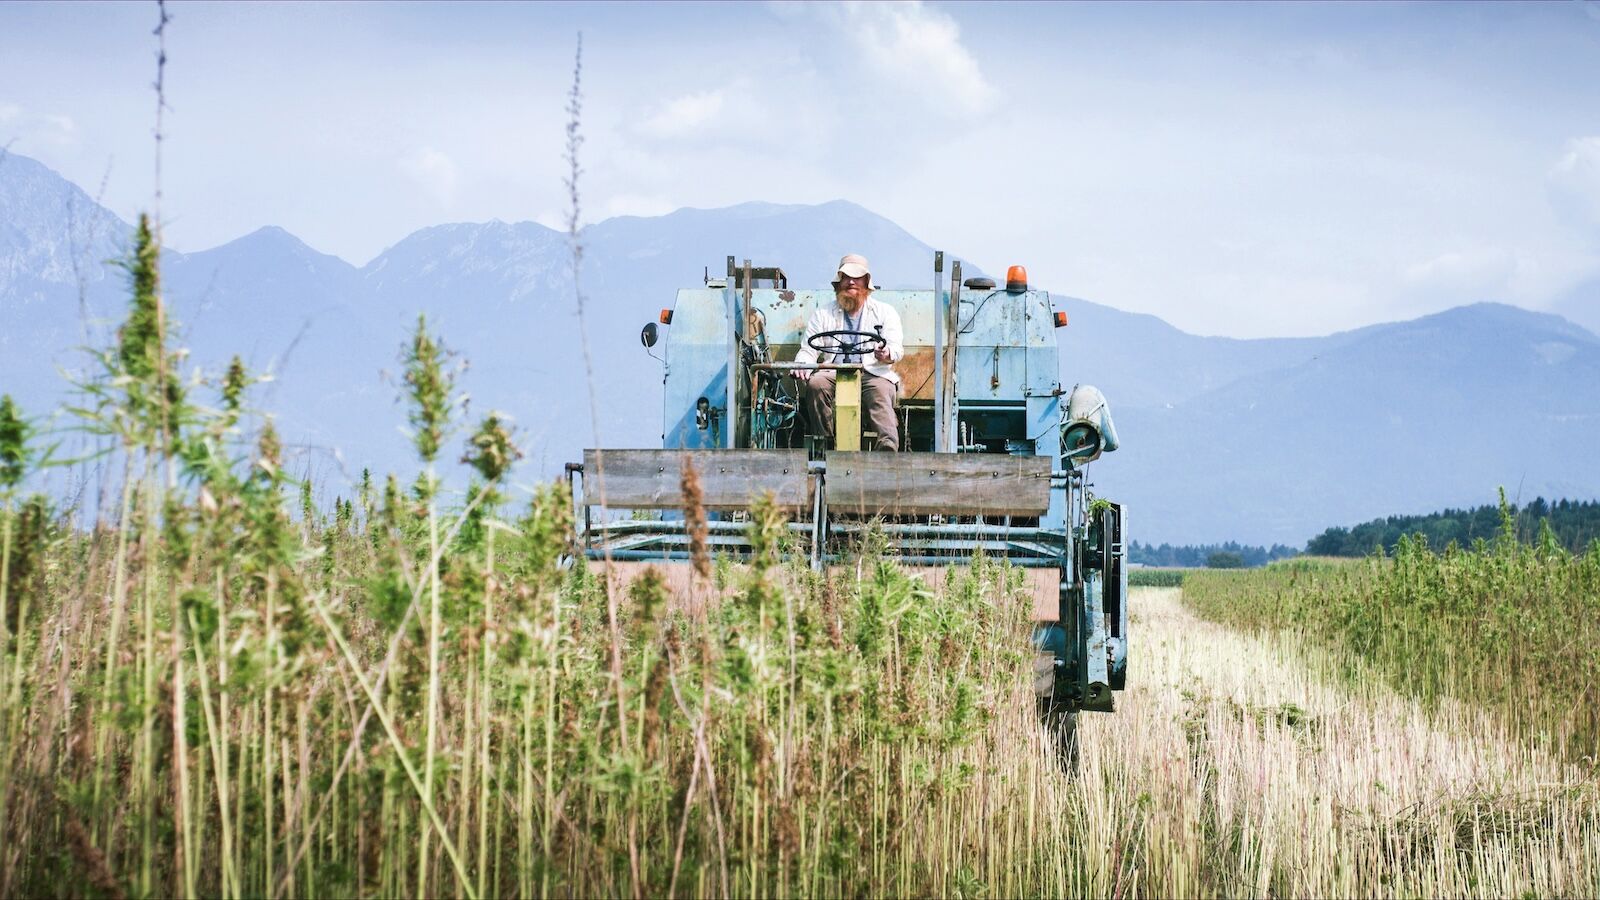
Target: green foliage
(139, 341)
(430, 385)
(233, 387)
(142, 365)
(15, 455)
(34, 537)
(1146, 577)
(490, 450)
(1224, 560)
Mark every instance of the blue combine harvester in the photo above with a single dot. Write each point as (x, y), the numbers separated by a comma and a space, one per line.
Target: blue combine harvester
(992, 459)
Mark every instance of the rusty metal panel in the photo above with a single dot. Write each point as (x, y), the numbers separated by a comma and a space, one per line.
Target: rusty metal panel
(971, 484)
(916, 374)
(729, 479)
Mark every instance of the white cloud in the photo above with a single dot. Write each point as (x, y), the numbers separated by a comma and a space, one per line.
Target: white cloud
(684, 115)
(1483, 272)
(61, 125)
(916, 47)
(637, 205)
(697, 121)
(56, 130)
(1534, 275)
(1574, 182)
(435, 172)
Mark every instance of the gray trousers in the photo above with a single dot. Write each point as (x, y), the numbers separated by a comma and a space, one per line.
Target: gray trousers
(877, 408)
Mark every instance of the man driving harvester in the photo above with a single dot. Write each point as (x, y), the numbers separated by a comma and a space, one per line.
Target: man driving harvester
(853, 329)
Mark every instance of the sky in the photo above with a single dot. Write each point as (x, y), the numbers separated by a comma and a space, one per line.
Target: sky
(1248, 170)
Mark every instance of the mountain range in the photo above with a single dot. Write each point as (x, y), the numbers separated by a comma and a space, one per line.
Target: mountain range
(1261, 441)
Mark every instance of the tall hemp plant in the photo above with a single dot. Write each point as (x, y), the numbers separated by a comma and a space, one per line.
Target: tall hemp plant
(15, 459)
(140, 403)
(430, 386)
(491, 453)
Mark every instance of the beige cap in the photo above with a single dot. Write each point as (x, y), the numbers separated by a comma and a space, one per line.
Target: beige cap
(854, 265)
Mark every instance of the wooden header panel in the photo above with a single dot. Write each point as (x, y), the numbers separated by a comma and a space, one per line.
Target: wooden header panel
(729, 479)
(954, 484)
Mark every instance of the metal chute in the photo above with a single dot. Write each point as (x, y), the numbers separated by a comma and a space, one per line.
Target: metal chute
(1088, 430)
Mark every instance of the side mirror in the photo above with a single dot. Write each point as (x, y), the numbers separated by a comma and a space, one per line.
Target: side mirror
(649, 335)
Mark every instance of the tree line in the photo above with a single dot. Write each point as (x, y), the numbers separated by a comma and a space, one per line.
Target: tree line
(1573, 523)
(1230, 555)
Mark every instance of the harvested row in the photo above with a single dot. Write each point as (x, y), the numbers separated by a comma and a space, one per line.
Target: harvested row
(1246, 765)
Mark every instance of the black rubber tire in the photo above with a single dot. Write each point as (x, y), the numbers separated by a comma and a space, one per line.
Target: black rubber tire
(1059, 721)
(1062, 729)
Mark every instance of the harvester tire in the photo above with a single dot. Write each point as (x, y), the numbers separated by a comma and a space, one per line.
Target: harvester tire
(1060, 721)
(1061, 729)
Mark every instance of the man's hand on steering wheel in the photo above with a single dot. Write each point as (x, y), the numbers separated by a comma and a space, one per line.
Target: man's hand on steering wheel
(845, 342)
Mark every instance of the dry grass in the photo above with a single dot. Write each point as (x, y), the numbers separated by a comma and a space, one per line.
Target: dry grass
(1241, 765)
(1512, 627)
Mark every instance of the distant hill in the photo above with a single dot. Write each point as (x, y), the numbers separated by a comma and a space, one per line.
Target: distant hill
(1417, 415)
(1256, 441)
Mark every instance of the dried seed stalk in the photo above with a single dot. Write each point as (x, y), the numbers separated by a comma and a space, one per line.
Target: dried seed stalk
(694, 518)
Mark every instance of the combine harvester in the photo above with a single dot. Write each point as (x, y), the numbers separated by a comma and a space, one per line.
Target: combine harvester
(993, 450)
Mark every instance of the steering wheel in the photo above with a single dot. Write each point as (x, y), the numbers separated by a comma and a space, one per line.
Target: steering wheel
(847, 343)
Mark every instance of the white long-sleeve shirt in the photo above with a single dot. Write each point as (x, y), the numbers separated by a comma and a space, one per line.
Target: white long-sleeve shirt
(829, 317)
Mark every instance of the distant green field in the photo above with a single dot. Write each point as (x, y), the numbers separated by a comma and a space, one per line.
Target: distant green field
(1141, 577)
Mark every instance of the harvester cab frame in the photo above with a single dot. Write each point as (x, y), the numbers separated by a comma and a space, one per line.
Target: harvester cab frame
(992, 460)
